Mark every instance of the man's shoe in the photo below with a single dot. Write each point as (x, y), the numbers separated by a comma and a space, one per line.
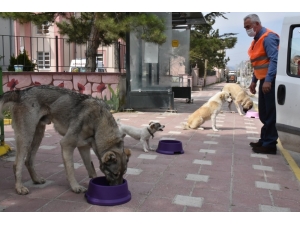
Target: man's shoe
(265, 150)
(255, 144)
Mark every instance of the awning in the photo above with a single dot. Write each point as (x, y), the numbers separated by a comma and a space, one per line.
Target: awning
(184, 20)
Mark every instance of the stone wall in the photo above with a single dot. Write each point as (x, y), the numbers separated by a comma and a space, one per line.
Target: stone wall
(95, 84)
(211, 80)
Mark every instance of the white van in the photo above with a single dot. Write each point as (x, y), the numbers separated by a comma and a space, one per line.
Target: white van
(78, 65)
(288, 85)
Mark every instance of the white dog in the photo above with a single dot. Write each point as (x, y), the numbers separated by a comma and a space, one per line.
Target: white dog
(207, 111)
(142, 134)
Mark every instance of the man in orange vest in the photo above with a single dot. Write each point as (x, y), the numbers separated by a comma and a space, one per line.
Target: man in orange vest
(263, 53)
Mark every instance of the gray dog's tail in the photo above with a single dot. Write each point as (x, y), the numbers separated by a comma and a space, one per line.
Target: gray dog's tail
(8, 97)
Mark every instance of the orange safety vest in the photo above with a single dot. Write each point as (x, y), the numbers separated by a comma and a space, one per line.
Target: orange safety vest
(258, 56)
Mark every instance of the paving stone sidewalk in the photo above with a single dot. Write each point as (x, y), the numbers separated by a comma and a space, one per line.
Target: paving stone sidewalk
(218, 171)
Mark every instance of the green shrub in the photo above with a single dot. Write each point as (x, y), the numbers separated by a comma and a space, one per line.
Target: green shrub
(7, 114)
(21, 59)
(114, 101)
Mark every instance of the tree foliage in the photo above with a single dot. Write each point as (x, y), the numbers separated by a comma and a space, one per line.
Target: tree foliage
(36, 18)
(208, 44)
(111, 26)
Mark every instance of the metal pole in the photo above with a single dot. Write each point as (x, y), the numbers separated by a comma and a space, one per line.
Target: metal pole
(1, 121)
(150, 74)
(205, 72)
(140, 71)
(56, 52)
(157, 74)
(4, 148)
(127, 66)
(119, 56)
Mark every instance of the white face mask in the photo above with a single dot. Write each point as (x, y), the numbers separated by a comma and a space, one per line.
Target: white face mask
(251, 32)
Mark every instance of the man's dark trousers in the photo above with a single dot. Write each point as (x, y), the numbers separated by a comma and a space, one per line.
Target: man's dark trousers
(267, 115)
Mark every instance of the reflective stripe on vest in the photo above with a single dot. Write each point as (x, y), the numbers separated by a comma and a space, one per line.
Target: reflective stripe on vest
(259, 58)
(261, 66)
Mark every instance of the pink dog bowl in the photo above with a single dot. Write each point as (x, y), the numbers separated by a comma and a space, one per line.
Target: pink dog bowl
(252, 114)
(169, 147)
(100, 193)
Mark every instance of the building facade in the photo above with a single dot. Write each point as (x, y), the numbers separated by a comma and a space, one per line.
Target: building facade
(50, 50)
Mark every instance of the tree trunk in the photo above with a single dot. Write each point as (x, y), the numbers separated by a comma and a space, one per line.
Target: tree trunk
(205, 72)
(92, 46)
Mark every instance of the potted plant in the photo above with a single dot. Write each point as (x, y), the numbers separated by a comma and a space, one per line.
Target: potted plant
(21, 61)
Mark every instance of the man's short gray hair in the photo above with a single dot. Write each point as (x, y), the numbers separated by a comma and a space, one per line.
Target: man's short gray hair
(253, 18)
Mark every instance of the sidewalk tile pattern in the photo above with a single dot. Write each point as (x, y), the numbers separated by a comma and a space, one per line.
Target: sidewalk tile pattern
(218, 171)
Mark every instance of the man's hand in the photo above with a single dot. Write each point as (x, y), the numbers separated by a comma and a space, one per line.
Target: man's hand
(266, 87)
(252, 88)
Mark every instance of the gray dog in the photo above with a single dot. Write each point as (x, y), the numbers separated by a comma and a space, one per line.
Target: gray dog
(83, 121)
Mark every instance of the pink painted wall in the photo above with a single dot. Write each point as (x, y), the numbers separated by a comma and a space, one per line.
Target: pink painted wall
(95, 84)
(60, 44)
(23, 39)
(17, 28)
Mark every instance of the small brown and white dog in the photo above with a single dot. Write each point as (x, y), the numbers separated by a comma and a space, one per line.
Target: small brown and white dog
(141, 134)
(207, 111)
(239, 97)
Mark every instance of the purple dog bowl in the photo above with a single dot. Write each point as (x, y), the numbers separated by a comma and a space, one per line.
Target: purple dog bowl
(169, 147)
(100, 193)
(252, 114)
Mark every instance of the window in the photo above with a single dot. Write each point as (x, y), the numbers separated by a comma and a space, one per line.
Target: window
(294, 52)
(43, 60)
(99, 57)
(44, 28)
(99, 60)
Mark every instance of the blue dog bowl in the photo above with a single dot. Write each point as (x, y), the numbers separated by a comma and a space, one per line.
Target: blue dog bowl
(170, 147)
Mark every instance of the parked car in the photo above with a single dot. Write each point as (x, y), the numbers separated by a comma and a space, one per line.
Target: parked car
(231, 77)
(287, 85)
(78, 65)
